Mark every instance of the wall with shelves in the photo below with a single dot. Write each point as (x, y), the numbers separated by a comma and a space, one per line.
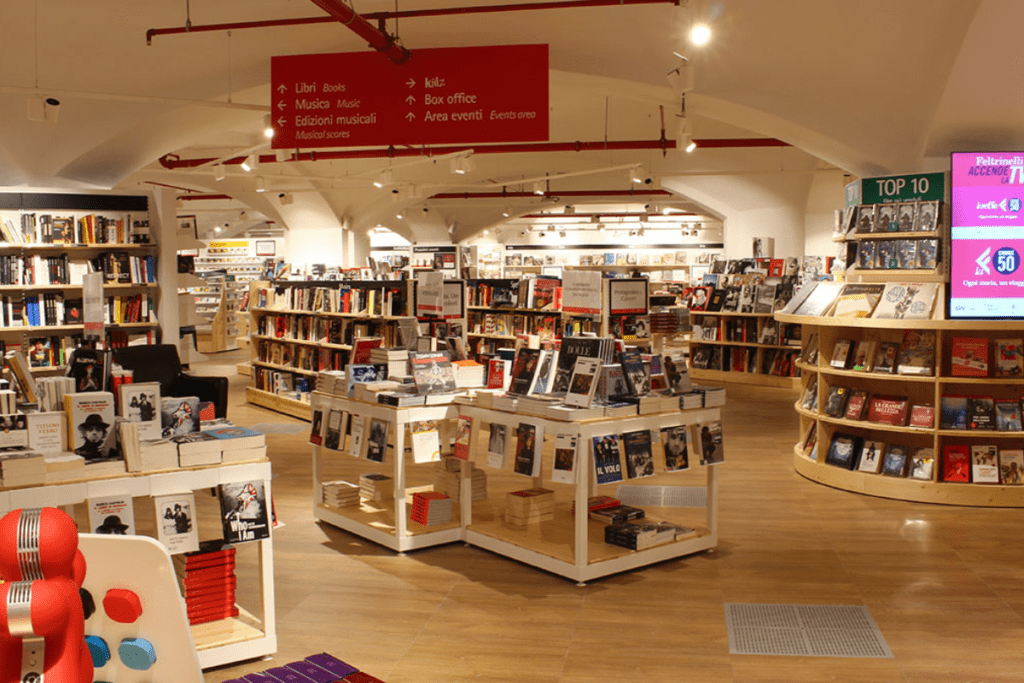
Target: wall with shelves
(747, 348)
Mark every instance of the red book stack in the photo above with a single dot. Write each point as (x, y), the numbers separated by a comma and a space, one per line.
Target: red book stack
(207, 580)
(430, 508)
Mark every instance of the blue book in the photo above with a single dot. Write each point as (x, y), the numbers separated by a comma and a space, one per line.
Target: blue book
(954, 412)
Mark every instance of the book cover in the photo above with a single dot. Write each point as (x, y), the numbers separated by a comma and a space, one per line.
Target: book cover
(179, 416)
(114, 515)
(243, 511)
(139, 403)
(377, 439)
(637, 382)
(842, 452)
(885, 358)
(841, 354)
(819, 299)
(425, 441)
(462, 438)
(871, 457)
(495, 373)
(712, 448)
(864, 355)
(47, 431)
(90, 425)
(984, 464)
(1008, 415)
(583, 383)
(866, 254)
(545, 372)
(922, 416)
(953, 412)
(675, 442)
(969, 357)
(677, 373)
(639, 458)
(855, 405)
(906, 301)
(888, 410)
(607, 464)
(496, 445)
(1011, 466)
(956, 463)
(361, 348)
(835, 402)
(432, 372)
(563, 470)
(175, 526)
(524, 371)
(1009, 358)
(529, 442)
(358, 441)
(765, 302)
(917, 353)
(922, 464)
(331, 429)
(857, 300)
(895, 464)
(927, 254)
(981, 413)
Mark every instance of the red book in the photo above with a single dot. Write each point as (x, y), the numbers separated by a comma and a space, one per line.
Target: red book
(775, 267)
(206, 619)
(208, 562)
(198, 590)
(969, 357)
(888, 410)
(855, 406)
(360, 677)
(496, 373)
(956, 463)
(207, 575)
(361, 349)
(922, 416)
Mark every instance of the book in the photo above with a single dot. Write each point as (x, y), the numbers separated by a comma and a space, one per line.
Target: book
(956, 463)
(895, 464)
(140, 403)
(922, 416)
(47, 432)
(675, 443)
(820, 299)
(981, 412)
(906, 301)
(709, 439)
(88, 368)
(524, 371)
(842, 451)
(922, 464)
(243, 511)
(616, 514)
(496, 445)
(917, 353)
(174, 522)
(969, 357)
(855, 405)
(563, 468)
(871, 457)
(637, 381)
(1008, 415)
(888, 410)
(377, 439)
(236, 438)
(857, 300)
(984, 464)
(885, 358)
(841, 353)
(953, 412)
(332, 430)
(113, 515)
(425, 440)
(357, 443)
(463, 434)
(90, 417)
(529, 444)
(583, 383)
(1011, 466)
(179, 415)
(835, 402)
(607, 463)
(197, 448)
(432, 372)
(1009, 358)
(637, 449)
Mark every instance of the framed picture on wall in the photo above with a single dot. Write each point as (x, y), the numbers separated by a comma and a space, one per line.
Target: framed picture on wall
(266, 248)
(187, 227)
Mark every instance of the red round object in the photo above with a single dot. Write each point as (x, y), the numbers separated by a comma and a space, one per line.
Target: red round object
(123, 606)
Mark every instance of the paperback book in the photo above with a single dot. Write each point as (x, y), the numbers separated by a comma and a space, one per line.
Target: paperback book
(842, 452)
(1009, 358)
(1008, 415)
(243, 511)
(969, 357)
(583, 384)
(564, 467)
(639, 458)
(871, 456)
(175, 526)
(140, 403)
(607, 463)
(917, 353)
(922, 464)
(885, 358)
(377, 439)
(953, 412)
(113, 515)
(1011, 466)
(895, 464)
(956, 463)
(712, 448)
(496, 445)
(981, 412)
(675, 442)
(529, 442)
(864, 355)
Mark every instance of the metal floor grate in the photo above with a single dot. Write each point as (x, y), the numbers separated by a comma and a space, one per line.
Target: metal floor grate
(663, 496)
(281, 428)
(804, 630)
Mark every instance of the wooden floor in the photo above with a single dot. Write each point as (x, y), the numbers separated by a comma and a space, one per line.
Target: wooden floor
(945, 585)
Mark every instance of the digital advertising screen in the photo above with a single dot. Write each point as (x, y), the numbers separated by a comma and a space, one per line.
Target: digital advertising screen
(986, 235)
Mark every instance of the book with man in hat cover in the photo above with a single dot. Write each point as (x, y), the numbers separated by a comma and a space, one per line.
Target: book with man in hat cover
(91, 432)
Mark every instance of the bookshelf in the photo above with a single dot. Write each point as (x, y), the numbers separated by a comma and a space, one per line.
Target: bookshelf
(298, 328)
(918, 390)
(745, 348)
(888, 242)
(229, 266)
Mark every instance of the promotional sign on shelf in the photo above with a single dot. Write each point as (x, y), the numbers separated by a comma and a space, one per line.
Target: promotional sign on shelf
(450, 95)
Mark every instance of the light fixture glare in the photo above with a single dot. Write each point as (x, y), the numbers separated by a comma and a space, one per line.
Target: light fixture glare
(700, 34)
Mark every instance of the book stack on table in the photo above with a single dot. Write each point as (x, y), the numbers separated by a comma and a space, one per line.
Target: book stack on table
(396, 360)
(713, 396)
(22, 468)
(616, 514)
(207, 581)
(530, 505)
(430, 508)
(340, 493)
(447, 479)
(376, 487)
(645, 534)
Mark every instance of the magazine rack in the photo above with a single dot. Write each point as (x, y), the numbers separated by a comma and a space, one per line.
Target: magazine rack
(924, 390)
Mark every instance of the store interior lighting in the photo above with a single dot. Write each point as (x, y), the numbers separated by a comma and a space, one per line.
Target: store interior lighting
(384, 179)
(506, 212)
(700, 34)
(261, 184)
(461, 165)
(251, 163)
(539, 188)
(268, 127)
(219, 172)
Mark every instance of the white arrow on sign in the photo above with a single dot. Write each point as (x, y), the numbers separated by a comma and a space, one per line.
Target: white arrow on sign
(281, 121)
(411, 83)
(281, 105)
(410, 116)
(410, 100)
(282, 88)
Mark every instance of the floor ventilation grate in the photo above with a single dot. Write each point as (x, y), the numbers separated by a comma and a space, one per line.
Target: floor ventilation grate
(281, 428)
(804, 630)
(663, 496)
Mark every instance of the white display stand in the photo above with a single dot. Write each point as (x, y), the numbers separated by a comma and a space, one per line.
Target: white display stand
(252, 636)
(387, 527)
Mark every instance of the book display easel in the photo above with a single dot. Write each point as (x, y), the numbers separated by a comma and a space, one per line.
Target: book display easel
(48, 242)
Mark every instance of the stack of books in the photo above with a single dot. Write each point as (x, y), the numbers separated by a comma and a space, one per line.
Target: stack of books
(68, 466)
(239, 444)
(207, 581)
(340, 493)
(396, 360)
(469, 374)
(198, 448)
(430, 508)
(529, 505)
(646, 534)
(598, 503)
(691, 400)
(376, 487)
(332, 382)
(22, 468)
(713, 396)
(447, 479)
(616, 514)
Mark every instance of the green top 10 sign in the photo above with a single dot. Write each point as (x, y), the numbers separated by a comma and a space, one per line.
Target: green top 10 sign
(897, 188)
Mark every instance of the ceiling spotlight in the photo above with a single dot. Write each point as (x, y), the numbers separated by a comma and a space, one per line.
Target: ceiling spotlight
(688, 143)
(399, 215)
(385, 178)
(561, 234)
(462, 165)
(218, 172)
(251, 163)
(539, 188)
(700, 34)
(268, 127)
(282, 155)
(486, 231)
(640, 177)
(569, 210)
(506, 212)
(261, 184)
(216, 229)
(285, 198)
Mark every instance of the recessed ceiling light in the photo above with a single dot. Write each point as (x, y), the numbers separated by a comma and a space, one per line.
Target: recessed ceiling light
(700, 34)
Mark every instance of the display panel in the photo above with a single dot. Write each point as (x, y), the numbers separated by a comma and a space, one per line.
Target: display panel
(986, 235)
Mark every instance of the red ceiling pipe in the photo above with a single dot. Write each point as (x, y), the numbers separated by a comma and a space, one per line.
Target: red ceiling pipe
(406, 14)
(194, 197)
(553, 193)
(377, 38)
(603, 215)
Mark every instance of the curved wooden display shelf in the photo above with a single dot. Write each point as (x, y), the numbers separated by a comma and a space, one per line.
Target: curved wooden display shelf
(857, 374)
(873, 426)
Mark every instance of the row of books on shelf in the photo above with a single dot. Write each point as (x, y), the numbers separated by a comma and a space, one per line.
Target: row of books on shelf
(510, 324)
(775, 362)
(117, 268)
(282, 383)
(892, 300)
(744, 331)
(855, 404)
(400, 333)
(535, 293)
(901, 254)
(747, 298)
(384, 300)
(976, 463)
(915, 355)
(901, 217)
(86, 229)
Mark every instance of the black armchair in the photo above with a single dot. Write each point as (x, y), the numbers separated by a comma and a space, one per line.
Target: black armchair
(160, 363)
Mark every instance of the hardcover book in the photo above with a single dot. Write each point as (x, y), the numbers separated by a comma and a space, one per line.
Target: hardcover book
(906, 301)
(563, 470)
(114, 515)
(984, 464)
(981, 412)
(835, 402)
(864, 355)
(956, 463)
(675, 442)
(377, 439)
(922, 464)
(709, 438)
(607, 464)
(529, 443)
(954, 412)
(583, 384)
(922, 416)
(47, 432)
(433, 373)
(1011, 466)
(243, 511)
(1008, 415)
(1009, 361)
(885, 358)
(174, 522)
(857, 300)
(888, 410)
(871, 456)
(855, 405)
(496, 445)
(841, 354)
(639, 458)
(637, 382)
(179, 416)
(842, 452)
(917, 353)
(969, 357)
(820, 299)
(333, 430)
(895, 464)
(524, 371)
(140, 403)
(90, 426)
